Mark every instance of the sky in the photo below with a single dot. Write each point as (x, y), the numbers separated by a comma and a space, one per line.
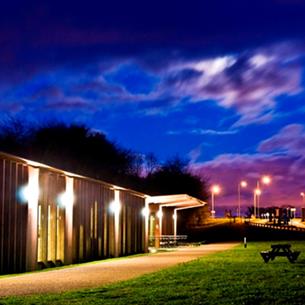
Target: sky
(220, 83)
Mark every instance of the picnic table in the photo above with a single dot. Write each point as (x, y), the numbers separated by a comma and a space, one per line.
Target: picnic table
(280, 250)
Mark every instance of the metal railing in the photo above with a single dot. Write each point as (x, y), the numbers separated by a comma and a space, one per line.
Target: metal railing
(277, 227)
(167, 241)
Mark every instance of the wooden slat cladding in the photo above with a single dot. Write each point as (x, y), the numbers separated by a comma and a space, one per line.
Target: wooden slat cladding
(51, 217)
(92, 223)
(131, 224)
(46, 231)
(13, 216)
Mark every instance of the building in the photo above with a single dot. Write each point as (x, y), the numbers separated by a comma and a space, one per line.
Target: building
(50, 217)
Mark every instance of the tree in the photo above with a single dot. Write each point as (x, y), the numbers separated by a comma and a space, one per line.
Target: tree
(72, 148)
(151, 163)
(77, 149)
(13, 136)
(175, 178)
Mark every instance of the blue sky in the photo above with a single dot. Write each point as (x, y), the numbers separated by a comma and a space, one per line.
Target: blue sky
(220, 83)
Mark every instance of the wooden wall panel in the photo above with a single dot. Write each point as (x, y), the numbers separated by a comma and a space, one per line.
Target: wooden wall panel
(92, 223)
(13, 220)
(51, 217)
(132, 223)
(93, 234)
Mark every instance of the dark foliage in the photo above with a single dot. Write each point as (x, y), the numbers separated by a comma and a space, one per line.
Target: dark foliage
(77, 149)
(174, 178)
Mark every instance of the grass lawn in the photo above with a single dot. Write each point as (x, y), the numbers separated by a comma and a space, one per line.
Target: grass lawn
(237, 276)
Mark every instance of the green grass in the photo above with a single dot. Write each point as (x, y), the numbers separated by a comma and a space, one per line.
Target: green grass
(237, 276)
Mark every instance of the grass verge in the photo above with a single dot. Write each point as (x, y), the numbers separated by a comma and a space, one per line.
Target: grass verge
(237, 276)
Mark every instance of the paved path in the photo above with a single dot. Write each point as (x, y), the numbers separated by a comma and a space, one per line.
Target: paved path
(104, 272)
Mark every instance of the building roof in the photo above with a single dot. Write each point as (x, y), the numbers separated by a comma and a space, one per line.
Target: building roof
(180, 201)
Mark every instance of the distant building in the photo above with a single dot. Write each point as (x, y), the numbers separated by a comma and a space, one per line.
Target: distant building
(51, 217)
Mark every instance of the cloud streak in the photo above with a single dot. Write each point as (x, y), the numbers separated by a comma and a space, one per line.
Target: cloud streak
(280, 156)
(249, 82)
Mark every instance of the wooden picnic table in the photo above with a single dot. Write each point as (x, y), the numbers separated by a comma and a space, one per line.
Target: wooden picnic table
(280, 250)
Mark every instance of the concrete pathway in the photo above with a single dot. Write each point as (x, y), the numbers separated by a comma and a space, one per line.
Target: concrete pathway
(101, 273)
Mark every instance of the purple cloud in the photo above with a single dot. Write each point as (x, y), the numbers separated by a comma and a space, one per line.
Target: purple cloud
(290, 139)
(228, 170)
(249, 83)
(70, 103)
(281, 156)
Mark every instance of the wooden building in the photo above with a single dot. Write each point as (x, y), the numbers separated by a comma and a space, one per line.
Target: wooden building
(49, 217)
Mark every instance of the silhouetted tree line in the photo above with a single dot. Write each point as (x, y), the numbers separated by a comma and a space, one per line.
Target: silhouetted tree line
(78, 149)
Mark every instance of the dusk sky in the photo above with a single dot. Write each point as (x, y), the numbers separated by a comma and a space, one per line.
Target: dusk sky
(218, 82)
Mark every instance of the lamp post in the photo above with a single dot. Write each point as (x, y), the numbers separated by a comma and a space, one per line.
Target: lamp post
(257, 193)
(302, 194)
(242, 184)
(215, 190)
(265, 180)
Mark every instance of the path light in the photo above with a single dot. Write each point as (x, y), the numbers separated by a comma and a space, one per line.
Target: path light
(215, 190)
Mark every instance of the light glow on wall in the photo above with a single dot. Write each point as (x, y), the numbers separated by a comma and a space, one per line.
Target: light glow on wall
(30, 193)
(115, 207)
(65, 199)
(145, 212)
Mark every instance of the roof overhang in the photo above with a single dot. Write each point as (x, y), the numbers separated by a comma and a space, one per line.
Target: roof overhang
(179, 201)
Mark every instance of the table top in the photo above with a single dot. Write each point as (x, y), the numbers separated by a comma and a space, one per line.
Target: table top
(281, 246)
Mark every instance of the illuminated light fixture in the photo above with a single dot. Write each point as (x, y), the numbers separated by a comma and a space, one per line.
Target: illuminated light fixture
(145, 212)
(159, 214)
(65, 199)
(216, 189)
(266, 180)
(302, 194)
(115, 207)
(243, 183)
(257, 192)
(28, 193)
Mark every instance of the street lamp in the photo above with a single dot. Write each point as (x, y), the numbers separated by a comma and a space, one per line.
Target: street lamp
(265, 180)
(215, 191)
(302, 194)
(257, 193)
(242, 184)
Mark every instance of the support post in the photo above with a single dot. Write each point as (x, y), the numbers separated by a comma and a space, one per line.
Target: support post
(146, 225)
(117, 223)
(69, 201)
(32, 225)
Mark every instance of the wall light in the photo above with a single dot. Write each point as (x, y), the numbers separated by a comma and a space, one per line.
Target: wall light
(115, 207)
(65, 199)
(28, 193)
(159, 214)
(145, 212)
